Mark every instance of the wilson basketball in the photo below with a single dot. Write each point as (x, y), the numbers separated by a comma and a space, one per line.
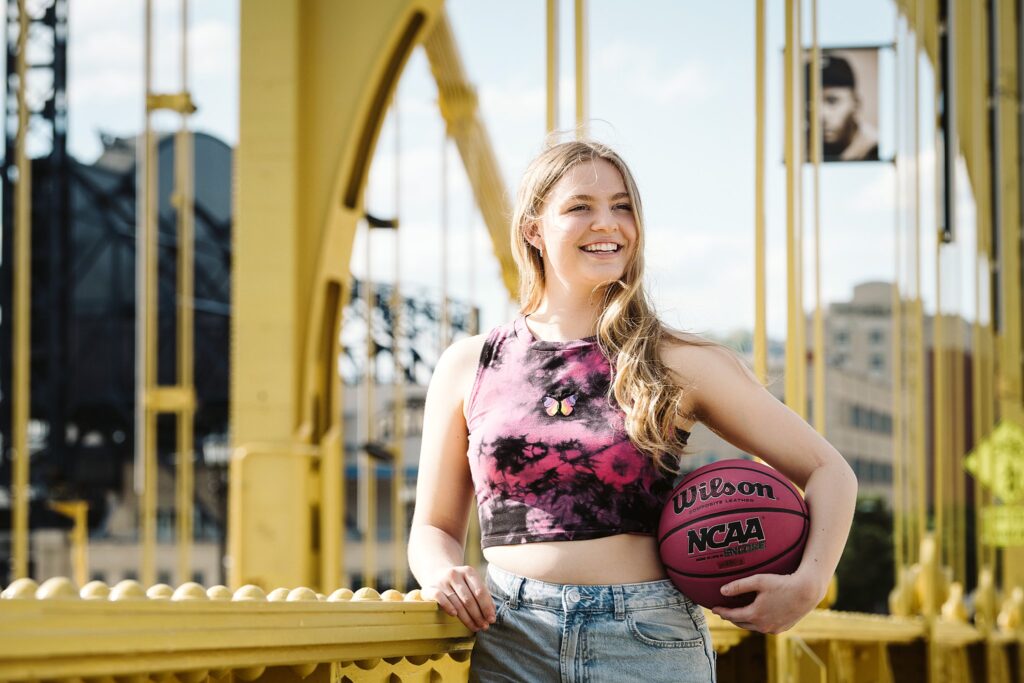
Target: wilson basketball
(729, 520)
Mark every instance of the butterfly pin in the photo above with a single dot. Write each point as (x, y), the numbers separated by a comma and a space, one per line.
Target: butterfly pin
(553, 406)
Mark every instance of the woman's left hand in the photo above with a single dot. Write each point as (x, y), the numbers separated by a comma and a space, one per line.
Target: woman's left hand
(782, 600)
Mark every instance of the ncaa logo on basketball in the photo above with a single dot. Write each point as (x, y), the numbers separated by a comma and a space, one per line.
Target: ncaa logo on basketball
(719, 536)
(718, 487)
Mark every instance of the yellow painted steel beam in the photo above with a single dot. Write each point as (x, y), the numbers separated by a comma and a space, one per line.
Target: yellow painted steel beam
(899, 450)
(78, 512)
(367, 465)
(760, 258)
(459, 107)
(582, 57)
(184, 184)
(1009, 379)
(49, 632)
(171, 399)
(153, 399)
(940, 417)
(316, 78)
(398, 517)
(818, 418)
(793, 124)
(551, 67)
(185, 416)
(146, 301)
(920, 456)
(1010, 384)
(21, 375)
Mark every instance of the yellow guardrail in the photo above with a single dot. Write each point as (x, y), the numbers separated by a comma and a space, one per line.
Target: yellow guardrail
(127, 634)
(194, 634)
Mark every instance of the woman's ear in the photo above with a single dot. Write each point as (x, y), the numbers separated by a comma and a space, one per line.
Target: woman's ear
(531, 233)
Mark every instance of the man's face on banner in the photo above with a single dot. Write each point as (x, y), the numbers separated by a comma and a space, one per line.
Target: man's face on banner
(838, 106)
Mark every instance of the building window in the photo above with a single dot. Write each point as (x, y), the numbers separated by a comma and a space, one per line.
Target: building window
(862, 417)
(876, 336)
(163, 576)
(842, 337)
(877, 361)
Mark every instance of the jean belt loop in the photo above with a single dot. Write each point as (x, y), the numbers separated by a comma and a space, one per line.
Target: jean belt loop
(514, 592)
(620, 602)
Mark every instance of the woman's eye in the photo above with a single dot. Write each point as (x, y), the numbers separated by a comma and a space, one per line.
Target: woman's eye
(578, 207)
(625, 207)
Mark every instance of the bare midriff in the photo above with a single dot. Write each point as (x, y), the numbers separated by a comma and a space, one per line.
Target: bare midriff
(623, 558)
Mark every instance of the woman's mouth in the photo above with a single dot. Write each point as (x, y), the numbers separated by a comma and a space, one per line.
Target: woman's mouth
(602, 249)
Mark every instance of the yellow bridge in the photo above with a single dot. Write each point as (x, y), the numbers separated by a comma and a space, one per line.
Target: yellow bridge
(317, 78)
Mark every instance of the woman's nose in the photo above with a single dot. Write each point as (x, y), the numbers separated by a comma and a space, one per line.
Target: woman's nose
(606, 220)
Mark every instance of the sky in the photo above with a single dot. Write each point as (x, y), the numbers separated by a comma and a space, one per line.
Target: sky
(671, 88)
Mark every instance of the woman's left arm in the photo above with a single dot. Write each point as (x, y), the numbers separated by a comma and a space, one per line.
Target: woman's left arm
(730, 401)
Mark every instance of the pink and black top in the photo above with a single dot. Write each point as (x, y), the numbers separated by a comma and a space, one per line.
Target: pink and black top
(548, 450)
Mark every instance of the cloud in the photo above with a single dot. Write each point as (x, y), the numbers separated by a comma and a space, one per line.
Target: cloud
(213, 49)
(642, 72)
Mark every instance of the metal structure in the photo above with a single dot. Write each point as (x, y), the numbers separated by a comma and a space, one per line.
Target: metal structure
(317, 78)
(153, 398)
(35, 114)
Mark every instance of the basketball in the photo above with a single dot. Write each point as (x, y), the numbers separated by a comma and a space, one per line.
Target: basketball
(729, 520)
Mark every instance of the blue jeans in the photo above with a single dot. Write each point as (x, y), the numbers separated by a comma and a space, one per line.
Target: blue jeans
(548, 633)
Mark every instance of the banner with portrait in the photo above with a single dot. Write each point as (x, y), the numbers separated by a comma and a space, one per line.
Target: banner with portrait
(849, 111)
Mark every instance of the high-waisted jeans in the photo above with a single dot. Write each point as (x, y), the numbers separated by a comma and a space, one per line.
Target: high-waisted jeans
(548, 633)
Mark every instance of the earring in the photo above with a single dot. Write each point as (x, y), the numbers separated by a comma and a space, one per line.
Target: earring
(541, 250)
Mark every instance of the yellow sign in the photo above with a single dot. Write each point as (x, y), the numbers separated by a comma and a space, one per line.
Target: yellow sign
(1003, 525)
(998, 462)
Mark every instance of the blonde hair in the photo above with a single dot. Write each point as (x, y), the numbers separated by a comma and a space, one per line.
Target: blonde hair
(629, 331)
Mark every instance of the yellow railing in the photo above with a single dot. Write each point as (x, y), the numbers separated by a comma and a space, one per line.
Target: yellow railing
(194, 634)
(126, 634)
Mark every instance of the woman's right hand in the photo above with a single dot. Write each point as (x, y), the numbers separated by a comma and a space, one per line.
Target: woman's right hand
(460, 592)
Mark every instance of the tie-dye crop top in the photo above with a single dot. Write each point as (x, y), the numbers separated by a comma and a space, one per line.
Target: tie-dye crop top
(548, 450)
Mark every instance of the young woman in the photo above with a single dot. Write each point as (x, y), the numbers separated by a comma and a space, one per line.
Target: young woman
(567, 424)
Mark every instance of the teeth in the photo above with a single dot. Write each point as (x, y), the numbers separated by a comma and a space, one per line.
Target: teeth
(601, 247)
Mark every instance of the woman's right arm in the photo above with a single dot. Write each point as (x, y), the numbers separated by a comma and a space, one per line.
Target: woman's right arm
(444, 490)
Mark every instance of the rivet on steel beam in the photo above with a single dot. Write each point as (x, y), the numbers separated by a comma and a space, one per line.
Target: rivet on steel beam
(189, 590)
(365, 594)
(303, 670)
(129, 589)
(192, 676)
(57, 588)
(22, 589)
(218, 593)
(249, 593)
(159, 591)
(250, 673)
(278, 595)
(367, 664)
(301, 594)
(95, 590)
(340, 595)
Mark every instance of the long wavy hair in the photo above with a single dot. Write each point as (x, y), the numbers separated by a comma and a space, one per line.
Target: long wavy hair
(629, 331)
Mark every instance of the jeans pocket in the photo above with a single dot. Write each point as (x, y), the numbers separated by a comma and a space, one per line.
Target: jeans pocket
(672, 626)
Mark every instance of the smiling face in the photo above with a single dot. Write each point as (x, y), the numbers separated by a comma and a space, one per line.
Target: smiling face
(587, 228)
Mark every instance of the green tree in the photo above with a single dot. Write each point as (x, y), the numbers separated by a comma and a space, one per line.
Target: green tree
(865, 572)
